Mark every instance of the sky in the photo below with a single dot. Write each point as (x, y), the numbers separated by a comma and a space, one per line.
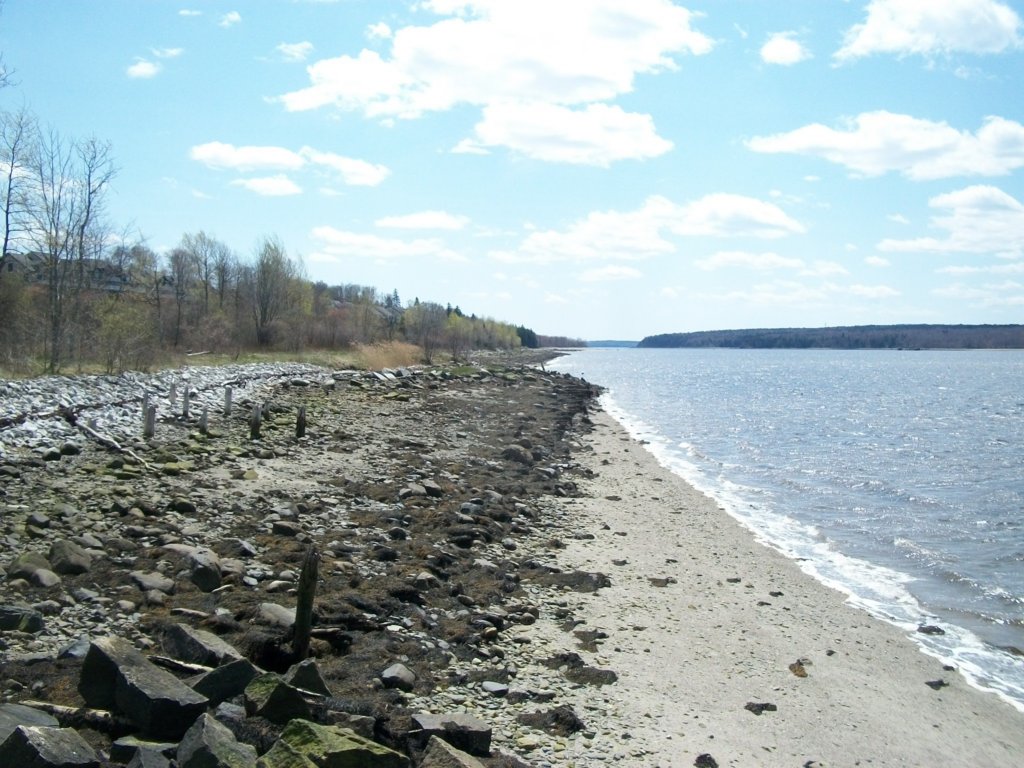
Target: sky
(600, 169)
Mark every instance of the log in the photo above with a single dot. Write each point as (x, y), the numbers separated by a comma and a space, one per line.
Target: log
(306, 594)
(78, 717)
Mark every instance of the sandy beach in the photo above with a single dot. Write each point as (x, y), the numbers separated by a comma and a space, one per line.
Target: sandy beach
(725, 649)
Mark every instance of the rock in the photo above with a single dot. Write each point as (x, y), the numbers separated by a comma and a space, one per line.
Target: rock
(145, 758)
(13, 715)
(153, 580)
(20, 618)
(278, 615)
(433, 489)
(758, 707)
(285, 528)
(26, 564)
(197, 646)
(208, 744)
(412, 490)
(271, 697)
(45, 578)
(517, 454)
(34, 746)
(306, 675)
(204, 569)
(495, 689)
(441, 754)
(125, 748)
(68, 558)
(462, 731)
(117, 676)
(226, 681)
(398, 676)
(304, 744)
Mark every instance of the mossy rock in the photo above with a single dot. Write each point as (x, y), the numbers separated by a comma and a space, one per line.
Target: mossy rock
(304, 744)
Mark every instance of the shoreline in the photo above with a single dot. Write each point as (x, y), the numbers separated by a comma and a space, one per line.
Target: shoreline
(703, 620)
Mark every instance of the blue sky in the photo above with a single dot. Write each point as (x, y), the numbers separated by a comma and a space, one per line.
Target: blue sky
(592, 168)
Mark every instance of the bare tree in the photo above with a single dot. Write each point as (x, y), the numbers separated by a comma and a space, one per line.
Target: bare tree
(16, 134)
(69, 181)
(182, 269)
(211, 259)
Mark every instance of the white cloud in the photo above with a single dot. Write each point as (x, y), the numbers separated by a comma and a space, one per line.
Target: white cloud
(931, 27)
(783, 293)
(824, 269)
(1013, 268)
(875, 143)
(874, 291)
(167, 53)
(783, 48)
(143, 69)
(611, 273)
(898, 218)
(877, 261)
(229, 19)
(379, 31)
(189, 12)
(337, 244)
(355, 173)
(295, 51)
(270, 186)
(978, 219)
(644, 233)
(424, 220)
(1008, 294)
(759, 262)
(218, 155)
(598, 134)
(500, 55)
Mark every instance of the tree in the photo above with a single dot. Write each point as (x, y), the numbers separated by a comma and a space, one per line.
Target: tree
(182, 269)
(425, 324)
(16, 134)
(211, 261)
(271, 278)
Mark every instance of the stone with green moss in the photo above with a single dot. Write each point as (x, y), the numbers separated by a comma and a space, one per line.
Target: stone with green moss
(304, 744)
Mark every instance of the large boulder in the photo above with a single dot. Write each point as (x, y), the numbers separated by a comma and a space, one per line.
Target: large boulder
(441, 754)
(271, 697)
(34, 746)
(226, 681)
(465, 732)
(304, 744)
(26, 564)
(208, 744)
(20, 618)
(13, 715)
(197, 646)
(117, 676)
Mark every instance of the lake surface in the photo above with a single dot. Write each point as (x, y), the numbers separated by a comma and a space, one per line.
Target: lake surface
(896, 477)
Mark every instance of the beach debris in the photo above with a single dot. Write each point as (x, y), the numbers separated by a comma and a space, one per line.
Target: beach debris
(704, 760)
(936, 685)
(658, 581)
(931, 629)
(798, 667)
(760, 707)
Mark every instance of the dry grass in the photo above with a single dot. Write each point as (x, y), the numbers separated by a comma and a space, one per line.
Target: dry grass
(393, 354)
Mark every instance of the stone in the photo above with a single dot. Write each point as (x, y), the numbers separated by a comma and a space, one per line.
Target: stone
(285, 528)
(208, 744)
(495, 689)
(518, 454)
(148, 581)
(68, 558)
(309, 745)
(197, 646)
(226, 681)
(271, 697)
(45, 578)
(278, 615)
(125, 748)
(398, 676)
(145, 758)
(13, 715)
(117, 676)
(306, 675)
(204, 569)
(34, 746)
(26, 564)
(462, 731)
(433, 489)
(20, 618)
(440, 754)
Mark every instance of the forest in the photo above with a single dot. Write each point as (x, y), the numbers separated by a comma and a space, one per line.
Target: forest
(851, 337)
(76, 293)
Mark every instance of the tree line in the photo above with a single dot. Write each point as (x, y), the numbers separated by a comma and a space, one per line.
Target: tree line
(75, 291)
(923, 336)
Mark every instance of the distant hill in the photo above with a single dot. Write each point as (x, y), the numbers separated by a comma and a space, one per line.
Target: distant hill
(612, 343)
(851, 337)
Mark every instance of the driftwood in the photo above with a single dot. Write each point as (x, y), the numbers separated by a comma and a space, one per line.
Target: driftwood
(71, 417)
(175, 665)
(78, 717)
(306, 594)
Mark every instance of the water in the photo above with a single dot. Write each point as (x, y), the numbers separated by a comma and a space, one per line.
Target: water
(896, 477)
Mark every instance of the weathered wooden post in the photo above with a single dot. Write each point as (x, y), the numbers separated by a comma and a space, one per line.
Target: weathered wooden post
(186, 398)
(149, 424)
(145, 404)
(173, 395)
(304, 603)
(204, 422)
(300, 422)
(254, 422)
(227, 401)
